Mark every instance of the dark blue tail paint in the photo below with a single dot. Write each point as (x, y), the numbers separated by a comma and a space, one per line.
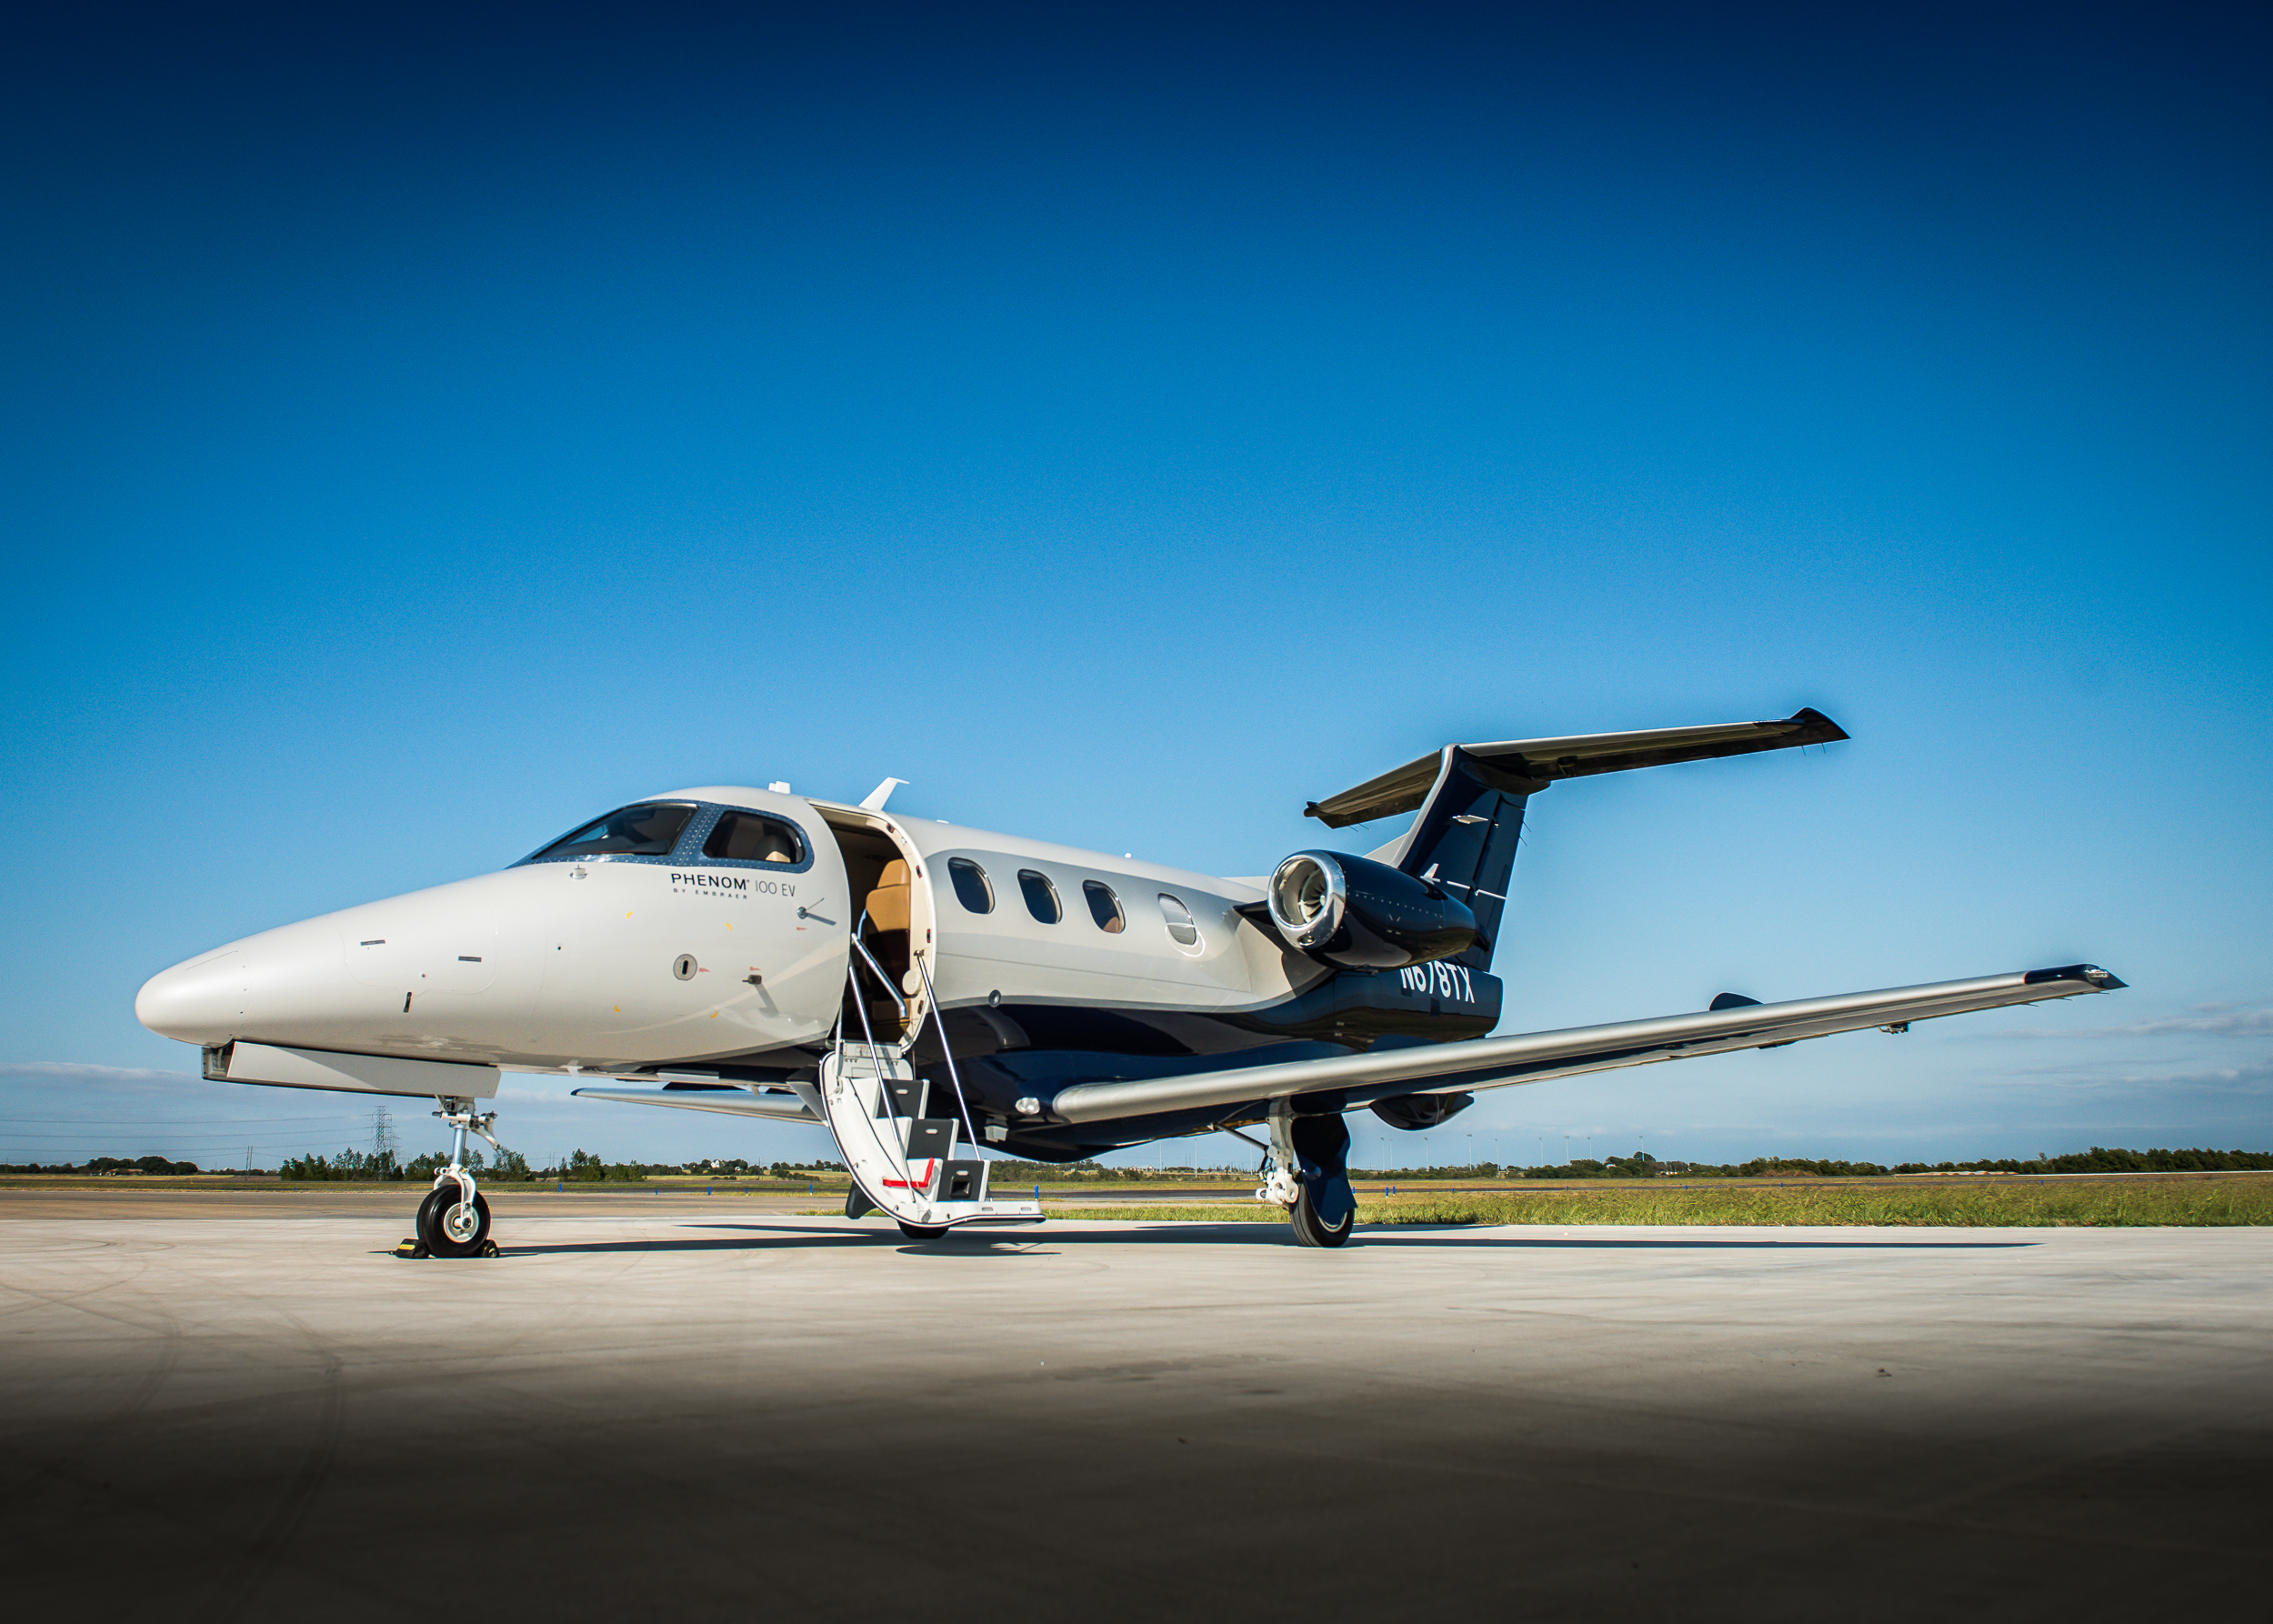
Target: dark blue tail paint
(1465, 838)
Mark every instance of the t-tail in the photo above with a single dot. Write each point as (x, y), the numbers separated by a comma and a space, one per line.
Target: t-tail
(1471, 798)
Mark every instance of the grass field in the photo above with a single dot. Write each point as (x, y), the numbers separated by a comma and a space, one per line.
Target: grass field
(2228, 1199)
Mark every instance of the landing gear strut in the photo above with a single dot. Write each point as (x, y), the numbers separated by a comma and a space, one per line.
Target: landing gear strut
(454, 1218)
(1307, 1173)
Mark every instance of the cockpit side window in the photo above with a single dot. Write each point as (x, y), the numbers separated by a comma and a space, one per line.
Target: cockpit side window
(646, 830)
(749, 838)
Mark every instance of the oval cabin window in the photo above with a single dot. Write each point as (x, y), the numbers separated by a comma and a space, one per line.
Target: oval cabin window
(1104, 908)
(1181, 930)
(971, 888)
(1041, 896)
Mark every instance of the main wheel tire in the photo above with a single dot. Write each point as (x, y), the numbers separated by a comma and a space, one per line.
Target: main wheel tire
(1311, 1230)
(922, 1231)
(423, 1226)
(445, 1239)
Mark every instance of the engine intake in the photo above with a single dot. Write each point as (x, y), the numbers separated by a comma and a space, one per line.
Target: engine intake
(1360, 915)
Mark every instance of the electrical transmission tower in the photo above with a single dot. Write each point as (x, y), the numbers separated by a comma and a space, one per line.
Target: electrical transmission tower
(382, 1132)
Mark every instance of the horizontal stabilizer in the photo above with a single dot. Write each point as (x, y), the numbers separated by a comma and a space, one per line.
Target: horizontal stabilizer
(1532, 763)
(1534, 1056)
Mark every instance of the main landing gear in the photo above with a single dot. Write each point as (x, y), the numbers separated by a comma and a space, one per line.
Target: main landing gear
(454, 1218)
(1307, 1173)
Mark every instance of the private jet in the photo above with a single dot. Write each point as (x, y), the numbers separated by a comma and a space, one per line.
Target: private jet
(926, 992)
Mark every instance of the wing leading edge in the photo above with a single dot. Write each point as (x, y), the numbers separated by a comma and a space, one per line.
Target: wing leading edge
(1534, 1056)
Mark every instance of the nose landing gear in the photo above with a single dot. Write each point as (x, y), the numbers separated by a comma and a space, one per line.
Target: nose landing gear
(454, 1218)
(448, 1227)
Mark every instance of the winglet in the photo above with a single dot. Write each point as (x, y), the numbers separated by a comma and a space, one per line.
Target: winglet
(2076, 972)
(875, 799)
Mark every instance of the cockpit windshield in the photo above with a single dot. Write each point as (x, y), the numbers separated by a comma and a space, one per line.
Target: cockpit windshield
(646, 830)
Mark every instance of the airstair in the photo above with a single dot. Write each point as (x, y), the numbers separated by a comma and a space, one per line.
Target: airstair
(903, 1157)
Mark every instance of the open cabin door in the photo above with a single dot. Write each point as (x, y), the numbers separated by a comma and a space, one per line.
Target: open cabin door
(891, 912)
(905, 1137)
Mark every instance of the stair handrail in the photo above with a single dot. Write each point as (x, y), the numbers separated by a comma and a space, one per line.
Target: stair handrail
(876, 1063)
(939, 1019)
(882, 980)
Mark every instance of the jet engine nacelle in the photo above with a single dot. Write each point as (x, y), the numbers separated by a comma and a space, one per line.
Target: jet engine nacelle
(1360, 915)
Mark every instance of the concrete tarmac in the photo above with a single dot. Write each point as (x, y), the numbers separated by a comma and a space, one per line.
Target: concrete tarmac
(250, 1415)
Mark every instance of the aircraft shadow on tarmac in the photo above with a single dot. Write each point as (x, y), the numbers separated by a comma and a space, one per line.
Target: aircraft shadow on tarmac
(774, 1236)
(772, 1240)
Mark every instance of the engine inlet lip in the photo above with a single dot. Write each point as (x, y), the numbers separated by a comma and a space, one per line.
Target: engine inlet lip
(1286, 882)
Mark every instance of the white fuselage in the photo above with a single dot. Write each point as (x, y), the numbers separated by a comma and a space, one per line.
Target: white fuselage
(608, 963)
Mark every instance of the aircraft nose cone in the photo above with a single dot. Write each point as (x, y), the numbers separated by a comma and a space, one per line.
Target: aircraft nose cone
(202, 1001)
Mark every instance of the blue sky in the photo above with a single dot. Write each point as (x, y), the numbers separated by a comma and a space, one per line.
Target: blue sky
(421, 433)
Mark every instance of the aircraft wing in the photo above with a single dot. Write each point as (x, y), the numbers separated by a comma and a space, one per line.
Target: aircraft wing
(1534, 1056)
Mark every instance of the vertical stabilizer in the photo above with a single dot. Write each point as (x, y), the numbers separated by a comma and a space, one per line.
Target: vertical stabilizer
(1464, 838)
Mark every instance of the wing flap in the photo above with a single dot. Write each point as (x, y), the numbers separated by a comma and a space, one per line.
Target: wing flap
(1534, 1056)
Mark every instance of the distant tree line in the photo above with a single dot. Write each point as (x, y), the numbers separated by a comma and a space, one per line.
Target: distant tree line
(1043, 1172)
(2098, 1159)
(578, 1167)
(108, 1164)
(1007, 1172)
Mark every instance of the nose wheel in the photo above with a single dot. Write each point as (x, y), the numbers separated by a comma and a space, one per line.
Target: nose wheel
(453, 1219)
(451, 1227)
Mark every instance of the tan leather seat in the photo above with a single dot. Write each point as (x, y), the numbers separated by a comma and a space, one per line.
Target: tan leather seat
(888, 934)
(888, 903)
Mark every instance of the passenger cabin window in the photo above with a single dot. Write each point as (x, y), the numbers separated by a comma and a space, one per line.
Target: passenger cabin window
(1181, 930)
(1041, 896)
(1104, 908)
(971, 888)
(747, 837)
(644, 831)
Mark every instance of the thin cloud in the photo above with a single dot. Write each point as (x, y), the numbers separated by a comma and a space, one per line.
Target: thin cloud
(79, 1072)
(2256, 1078)
(2215, 1020)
